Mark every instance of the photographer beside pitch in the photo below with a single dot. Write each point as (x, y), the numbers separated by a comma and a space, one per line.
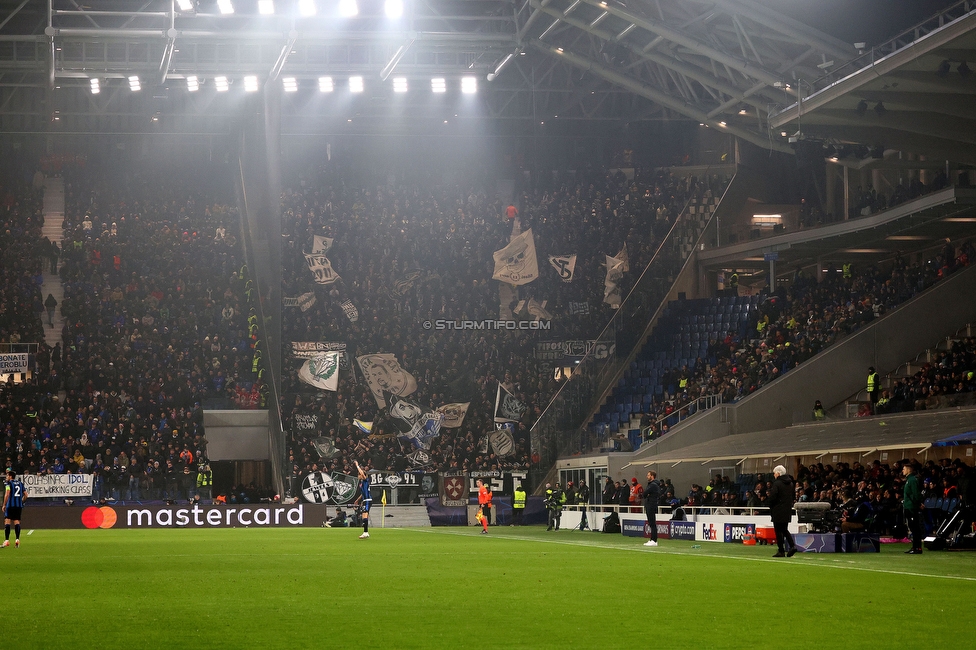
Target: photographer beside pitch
(13, 504)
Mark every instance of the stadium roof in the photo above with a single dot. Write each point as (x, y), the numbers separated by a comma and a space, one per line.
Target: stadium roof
(729, 64)
(915, 93)
(894, 432)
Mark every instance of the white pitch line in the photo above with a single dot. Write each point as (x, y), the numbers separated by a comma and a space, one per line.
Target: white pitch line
(659, 551)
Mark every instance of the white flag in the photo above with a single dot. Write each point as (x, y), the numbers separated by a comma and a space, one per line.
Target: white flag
(349, 310)
(321, 269)
(321, 245)
(517, 263)
(565, 266)
(321, 371)
(611, 286)
(623, 257)
(383, 373)
(453, 414)
(306, 301)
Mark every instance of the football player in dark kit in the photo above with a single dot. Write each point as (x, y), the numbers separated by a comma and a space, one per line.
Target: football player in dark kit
(13, 504)
(365, 497)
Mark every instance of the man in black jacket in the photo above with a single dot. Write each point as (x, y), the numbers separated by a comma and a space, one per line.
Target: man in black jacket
(780, 502)
(652, 496)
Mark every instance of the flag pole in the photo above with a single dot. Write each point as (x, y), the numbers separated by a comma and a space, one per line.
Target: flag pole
(383, 525)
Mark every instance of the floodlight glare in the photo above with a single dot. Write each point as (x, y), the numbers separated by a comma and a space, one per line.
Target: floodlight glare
(394, 8)
(266, 7)
(192, 83)
(221, 84)
(306, 7)
(290, 84)
(225, 6)
(400, 84)
(326, 85)
(348, 8)
(134, 84)
(185, 5)
(355, 84)
(438, 85)
(95, 89)
(250, 84)
(469, 85)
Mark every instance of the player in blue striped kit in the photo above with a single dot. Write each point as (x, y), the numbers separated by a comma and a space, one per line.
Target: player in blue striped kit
(14, 495)
(365, 497)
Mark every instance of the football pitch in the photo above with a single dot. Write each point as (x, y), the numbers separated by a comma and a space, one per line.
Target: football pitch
(452, 587)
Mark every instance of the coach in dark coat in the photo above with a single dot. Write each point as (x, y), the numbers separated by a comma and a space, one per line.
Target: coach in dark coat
(780, 502)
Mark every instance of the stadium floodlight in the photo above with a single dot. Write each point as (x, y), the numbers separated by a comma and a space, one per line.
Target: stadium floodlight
(225, 6)
(266, 7)
(185, 5)
(326, 85)
(438, 85)
(221, 84)
(399, 84)
(192, 83)
(355, 84)
(290, 84)
(134, 84)
(393, 8)
(306, 7)
(95, 88)
(469, 85)
(250, 84)
(348, 8)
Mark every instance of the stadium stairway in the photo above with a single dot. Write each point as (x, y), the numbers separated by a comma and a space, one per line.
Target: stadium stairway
(399, 516)
(680, 338)
(53, 212)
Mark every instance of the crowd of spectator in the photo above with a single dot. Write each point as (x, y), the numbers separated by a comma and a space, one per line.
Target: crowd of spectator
(947, 380)
(155, 314)
(869, 497)
(444, 235)
(22, 256)
(868, 201)
(796, 322)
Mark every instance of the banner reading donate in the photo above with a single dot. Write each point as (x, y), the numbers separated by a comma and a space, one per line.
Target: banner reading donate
(14, 362)
(57, 485)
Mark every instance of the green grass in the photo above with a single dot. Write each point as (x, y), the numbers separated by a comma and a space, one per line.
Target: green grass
(450, 587)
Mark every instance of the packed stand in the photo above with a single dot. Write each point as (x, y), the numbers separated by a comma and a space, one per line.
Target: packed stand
(443, 237)
(948, 380)
(155, 324)
(23, 254)
(794, 324)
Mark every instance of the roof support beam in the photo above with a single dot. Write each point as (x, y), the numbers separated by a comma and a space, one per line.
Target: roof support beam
(675, 36)
(655, 95)
(690, 71)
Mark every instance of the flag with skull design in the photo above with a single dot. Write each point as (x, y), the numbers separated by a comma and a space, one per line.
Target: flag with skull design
(517, 263)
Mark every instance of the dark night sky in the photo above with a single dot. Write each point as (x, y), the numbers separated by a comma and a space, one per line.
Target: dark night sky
(871, 21)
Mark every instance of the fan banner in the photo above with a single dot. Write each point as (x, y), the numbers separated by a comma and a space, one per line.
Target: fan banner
(321, 269)
(453, 414)
(321, 245)
(321, 371)
(415, 424)
(611, 287)
(517, 263)
(383, 373)
(565, 266)
(507, 407)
